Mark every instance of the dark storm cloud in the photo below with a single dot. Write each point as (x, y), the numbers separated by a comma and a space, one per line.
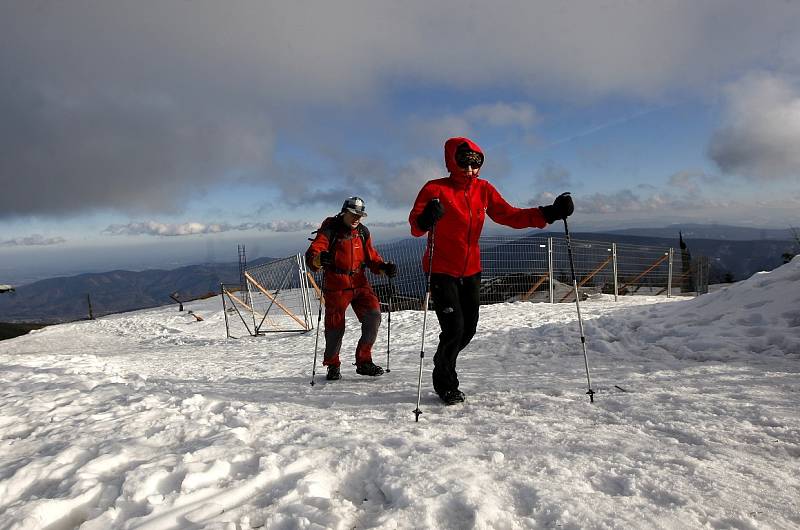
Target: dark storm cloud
(125, 154)
(139, 106)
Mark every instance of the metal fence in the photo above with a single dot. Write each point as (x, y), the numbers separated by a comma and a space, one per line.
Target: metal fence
(283, 295)
(276, 297)
(536, 268)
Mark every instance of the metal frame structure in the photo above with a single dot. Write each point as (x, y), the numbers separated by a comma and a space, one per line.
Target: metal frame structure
(276, 298)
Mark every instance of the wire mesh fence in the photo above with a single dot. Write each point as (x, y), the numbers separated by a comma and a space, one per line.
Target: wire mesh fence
(699, 274)
(533, 268)
(276, 297)
(283, 295)
(642, 270)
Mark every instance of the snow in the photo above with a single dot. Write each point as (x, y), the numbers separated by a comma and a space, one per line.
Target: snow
(154, 420)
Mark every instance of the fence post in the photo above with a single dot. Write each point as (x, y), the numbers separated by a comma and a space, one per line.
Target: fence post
(301, 271)
(669, 273)
(252, 305)
(616, 281)
(224, 311)
(550, 269)
(697, 275)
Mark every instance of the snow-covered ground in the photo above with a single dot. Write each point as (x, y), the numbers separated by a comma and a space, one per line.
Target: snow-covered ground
(153, 420)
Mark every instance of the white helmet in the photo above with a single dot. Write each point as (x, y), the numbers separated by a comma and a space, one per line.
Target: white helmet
(355, 205)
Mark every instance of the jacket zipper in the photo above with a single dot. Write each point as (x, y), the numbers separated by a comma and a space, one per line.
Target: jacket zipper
(469, 228)
(352, 256)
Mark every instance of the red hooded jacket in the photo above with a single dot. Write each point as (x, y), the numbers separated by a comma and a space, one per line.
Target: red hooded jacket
(351, 254)
(466, 202)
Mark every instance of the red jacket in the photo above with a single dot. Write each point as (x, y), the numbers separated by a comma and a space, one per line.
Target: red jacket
(466, 202)
(350, 255)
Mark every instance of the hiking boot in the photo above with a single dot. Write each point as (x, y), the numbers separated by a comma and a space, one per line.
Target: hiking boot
(369, 368)
(334, 374)
(452, 397)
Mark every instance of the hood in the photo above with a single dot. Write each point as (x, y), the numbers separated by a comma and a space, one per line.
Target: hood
(450, 147)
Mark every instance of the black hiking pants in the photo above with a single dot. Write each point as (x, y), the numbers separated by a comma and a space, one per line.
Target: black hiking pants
(456, 301)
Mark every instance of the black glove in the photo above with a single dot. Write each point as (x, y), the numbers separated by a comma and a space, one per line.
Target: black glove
(561, 208)
(430, 215)
(389, 268)
(326, 259)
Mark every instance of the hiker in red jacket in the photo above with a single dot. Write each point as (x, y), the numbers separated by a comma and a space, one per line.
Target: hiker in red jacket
(457, 206)
(344, 249)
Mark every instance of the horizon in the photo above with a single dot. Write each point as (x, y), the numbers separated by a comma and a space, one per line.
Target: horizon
(183, 129)
(210, 256)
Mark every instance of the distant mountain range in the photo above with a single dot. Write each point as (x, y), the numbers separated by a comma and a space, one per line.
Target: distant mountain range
(63, 299)
(729, 258)
(700, 231)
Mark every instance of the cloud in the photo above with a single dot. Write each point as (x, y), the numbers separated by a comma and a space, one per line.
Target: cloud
(389, 224)
(762, 132)
(127, 154)
(690, 180)
(504, 115)
(553, 176)
(426, 130)
(154, 228)
(375, 179)
(35, 240)
(628, 201)
(174, 98)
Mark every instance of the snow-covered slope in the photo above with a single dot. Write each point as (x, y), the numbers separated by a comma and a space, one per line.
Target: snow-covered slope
(154, 420)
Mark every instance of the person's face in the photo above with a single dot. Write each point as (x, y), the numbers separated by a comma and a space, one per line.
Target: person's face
(469, 162)
(351, 219)
(470, 171)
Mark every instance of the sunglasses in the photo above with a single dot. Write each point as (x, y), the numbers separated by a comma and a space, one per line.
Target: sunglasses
(466, 158)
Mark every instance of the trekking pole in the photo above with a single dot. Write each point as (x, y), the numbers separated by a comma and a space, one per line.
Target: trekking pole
(319, 319)
(578, 306)
(417, 412)
(389, 326)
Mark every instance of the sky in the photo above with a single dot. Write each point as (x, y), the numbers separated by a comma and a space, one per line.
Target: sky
(161, 133)
(153, 420)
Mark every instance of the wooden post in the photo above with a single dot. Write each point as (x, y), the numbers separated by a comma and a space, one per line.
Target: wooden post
(274, 300)
(535, 286)
(679, 277)
(651, 267)
(589, 277)
(174, 296)
(89, 299)
(316, 288)
(231, 297)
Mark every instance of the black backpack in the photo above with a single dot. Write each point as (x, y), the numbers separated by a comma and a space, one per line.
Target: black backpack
(330, 231)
